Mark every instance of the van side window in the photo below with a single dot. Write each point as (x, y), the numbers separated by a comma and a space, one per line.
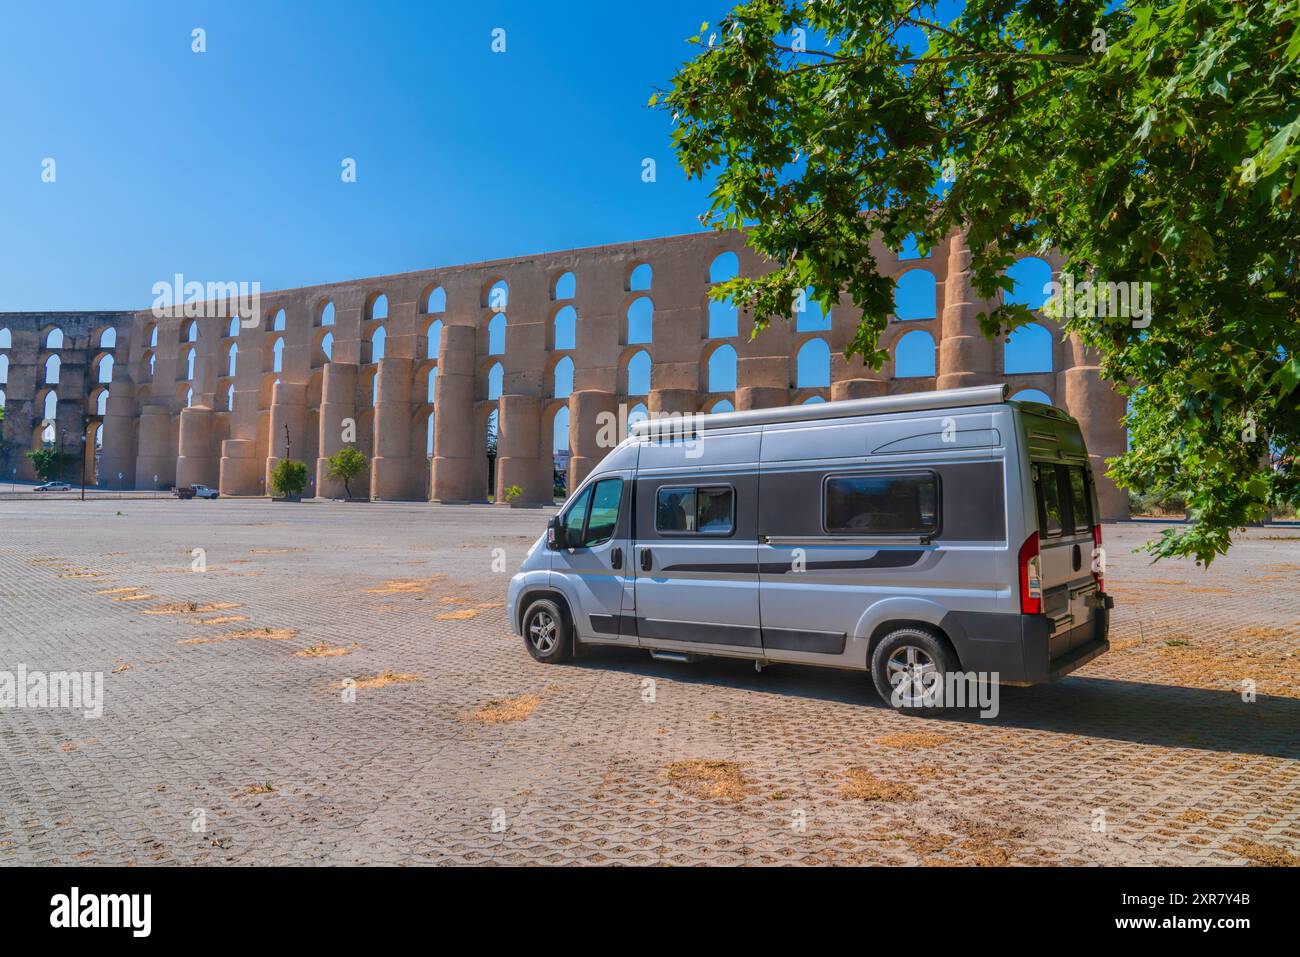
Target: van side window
(882, 504)
(604, 511)
(703, 509)
(576, 515)
(1080, 500)
(1050, 506)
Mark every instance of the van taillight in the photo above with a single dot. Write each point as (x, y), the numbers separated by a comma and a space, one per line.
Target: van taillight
(1098, 559)
(1031, 577)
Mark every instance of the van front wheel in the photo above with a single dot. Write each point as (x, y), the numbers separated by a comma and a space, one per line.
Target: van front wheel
(909, 667)
(546, 631)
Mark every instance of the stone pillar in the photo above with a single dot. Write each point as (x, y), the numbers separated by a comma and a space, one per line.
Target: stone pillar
(338, 402)
(154, 457)
(673, 402)
(238, 471)
(119, 436)
(455, 474)
(588, 441)
(858, 389)
(196, 463)
(391, 466)
(761, 397)
(518, 451)
(762, 382)
(1100, 411)
(288, 408)
(965, 356)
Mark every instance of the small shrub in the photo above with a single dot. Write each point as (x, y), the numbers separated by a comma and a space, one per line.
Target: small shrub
(289, 478)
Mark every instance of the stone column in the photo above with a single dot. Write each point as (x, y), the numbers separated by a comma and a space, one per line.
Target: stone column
(762, 382)
(858, 389)
(761, 397)
(119, 436)
(665, 402)
(196, 463)
(390, 468)
(454, 474)
(590, 435)
(154, 449)
(518, 447)
(1100, 411)
(238, 471)
(338, 402)
(288, 408)
(965, 356)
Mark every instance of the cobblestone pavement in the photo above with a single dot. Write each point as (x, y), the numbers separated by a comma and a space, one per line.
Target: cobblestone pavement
(226, 737)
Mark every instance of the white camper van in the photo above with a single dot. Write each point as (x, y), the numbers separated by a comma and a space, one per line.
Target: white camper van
(913, 536)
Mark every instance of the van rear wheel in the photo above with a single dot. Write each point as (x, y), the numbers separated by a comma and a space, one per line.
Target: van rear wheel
(546, 632)
(909, 667)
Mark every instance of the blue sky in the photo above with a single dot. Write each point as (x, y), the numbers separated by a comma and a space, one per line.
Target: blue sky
(225, 165)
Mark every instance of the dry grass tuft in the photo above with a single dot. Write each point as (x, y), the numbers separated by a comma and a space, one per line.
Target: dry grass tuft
(322, 651)
(118, 591)
(254, 789)
(1262, 855)
(863, 785)
(709, 779)
(221, 620)
(137, 596)
(507, 710)
(459, 614)
(912, 740)
(405, 586)
(263, 634)
(190, 608)
(382, 680)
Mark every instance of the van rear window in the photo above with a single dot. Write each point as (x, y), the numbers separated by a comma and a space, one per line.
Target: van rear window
(882, 504)
(1051, 507)
(1080, 500)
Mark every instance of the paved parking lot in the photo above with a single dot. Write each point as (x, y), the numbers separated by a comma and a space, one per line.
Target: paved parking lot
(228, 735)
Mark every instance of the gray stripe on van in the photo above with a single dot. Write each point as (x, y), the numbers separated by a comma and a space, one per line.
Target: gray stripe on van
(747, 636)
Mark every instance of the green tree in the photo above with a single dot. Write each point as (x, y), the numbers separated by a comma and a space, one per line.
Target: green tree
(289, 478)
(1152, 141)
(47, 462)
(345, 464)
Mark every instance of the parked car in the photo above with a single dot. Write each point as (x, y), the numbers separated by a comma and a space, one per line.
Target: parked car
(910, 536)
(53, 487)
(183, 492)
(204, 491)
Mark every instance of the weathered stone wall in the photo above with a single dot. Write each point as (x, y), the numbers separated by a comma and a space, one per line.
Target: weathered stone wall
(23, 364)
(383, 407)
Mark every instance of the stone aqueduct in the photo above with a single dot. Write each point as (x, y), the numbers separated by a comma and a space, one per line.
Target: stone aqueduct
(431, 352)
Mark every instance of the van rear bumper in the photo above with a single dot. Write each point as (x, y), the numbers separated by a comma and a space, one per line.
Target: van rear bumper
(1022, 649)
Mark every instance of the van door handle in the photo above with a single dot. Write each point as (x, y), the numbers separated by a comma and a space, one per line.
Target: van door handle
(647, 560)
(616, 557)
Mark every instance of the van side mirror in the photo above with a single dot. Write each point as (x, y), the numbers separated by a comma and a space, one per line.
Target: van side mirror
(555, 534)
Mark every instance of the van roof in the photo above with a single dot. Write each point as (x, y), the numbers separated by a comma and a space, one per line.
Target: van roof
(877, 405)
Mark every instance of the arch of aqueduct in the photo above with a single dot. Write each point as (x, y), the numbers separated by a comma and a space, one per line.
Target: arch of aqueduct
(166, 423)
